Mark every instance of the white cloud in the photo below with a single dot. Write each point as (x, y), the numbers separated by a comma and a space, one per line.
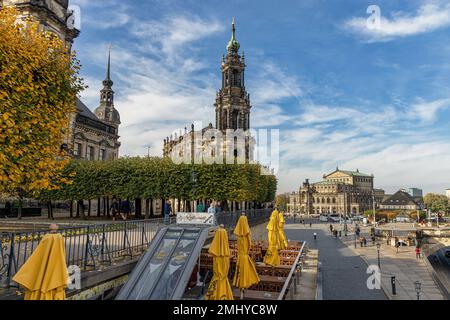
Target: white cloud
(175, 32)
(384, 141)
(429, 17)
(428, 111)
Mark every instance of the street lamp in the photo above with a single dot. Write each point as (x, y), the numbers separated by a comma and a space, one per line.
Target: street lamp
(378, 252)
(373, 206)
(417, 287)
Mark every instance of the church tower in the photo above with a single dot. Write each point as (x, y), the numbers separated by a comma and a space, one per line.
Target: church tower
(232, 101)
(106, 111)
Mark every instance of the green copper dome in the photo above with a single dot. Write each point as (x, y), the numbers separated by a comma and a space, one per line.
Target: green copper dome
(233, 44)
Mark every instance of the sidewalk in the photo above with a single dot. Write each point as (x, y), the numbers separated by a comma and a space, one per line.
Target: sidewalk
(403, 265)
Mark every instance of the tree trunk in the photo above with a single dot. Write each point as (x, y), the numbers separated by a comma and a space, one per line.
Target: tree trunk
(49, 209)
(179, 205)
(138, 207)
(89, 207)
(151, 208)
(147, 208)
(71, 208)
(162, 207)
(19, 209)
(98, 207)
(107, 207)
(78, 209)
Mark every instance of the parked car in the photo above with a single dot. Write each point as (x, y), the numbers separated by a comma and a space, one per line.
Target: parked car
(402, 219)
(323, 218)
(345, 220)
(334, 217)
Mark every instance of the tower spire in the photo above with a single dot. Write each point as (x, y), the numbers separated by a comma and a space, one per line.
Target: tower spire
(108, 83)
(108, 70)
(233, 44)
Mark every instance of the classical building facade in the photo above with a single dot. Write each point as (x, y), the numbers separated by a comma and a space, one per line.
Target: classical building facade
(93, 136)
(340, 192)
(232, 107)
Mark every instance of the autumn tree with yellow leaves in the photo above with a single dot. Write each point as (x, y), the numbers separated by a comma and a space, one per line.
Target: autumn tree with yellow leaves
(39, 81)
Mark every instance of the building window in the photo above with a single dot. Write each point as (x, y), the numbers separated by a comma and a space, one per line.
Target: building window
(90, 153)
(77, 150)
(102, 154)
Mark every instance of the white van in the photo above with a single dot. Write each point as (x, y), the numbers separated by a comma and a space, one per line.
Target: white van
(323, 218)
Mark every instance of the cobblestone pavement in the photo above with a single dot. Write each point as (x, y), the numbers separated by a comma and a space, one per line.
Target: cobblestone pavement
(344, 274)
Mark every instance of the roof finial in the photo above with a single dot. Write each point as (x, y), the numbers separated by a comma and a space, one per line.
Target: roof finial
(233, 29)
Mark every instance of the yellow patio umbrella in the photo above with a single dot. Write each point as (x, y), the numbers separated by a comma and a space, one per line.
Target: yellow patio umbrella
(44, 275)
(219, 288)
(245, 275)
(282, 238)
(272, 258)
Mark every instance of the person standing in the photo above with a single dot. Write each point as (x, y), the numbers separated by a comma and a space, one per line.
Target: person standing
(167, 212)
(200, 207)
(417, 252)
(331, 228)
(212, 210)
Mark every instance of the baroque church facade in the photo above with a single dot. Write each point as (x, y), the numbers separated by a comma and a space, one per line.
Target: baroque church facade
(93, 135)
(232, 108)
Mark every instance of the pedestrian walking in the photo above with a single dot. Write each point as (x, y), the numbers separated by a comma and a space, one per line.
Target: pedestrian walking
(417, 252)
(125, 209)
(114, 208)
(331, 228)
(310, 224)
(365, 241)
(315, 236)
(340, 233)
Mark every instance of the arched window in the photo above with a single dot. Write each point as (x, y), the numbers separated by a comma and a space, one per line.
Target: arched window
(236, 78)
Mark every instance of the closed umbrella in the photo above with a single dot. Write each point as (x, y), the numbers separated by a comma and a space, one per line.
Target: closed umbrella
(282, 238)
(272, 258)
(219, 288)
(246, 274)
(44, 275)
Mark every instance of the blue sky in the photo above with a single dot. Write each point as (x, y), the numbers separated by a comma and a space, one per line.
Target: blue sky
(341, 93)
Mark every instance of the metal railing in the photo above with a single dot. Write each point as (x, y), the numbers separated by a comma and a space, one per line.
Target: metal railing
(254, 216)
(86, 246)
(91, 246)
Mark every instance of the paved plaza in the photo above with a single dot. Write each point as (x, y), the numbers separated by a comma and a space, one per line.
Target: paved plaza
(343, 272)
(344, 267)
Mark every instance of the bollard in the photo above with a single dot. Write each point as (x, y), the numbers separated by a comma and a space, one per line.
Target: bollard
(394, 291)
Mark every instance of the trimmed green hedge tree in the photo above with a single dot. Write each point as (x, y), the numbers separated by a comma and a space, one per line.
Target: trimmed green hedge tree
(156, 178)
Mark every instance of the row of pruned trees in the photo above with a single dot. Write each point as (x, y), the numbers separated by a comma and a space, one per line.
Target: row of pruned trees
(153, 178)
